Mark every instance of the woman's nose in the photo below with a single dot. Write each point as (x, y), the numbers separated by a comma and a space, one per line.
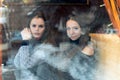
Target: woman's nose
(36, 28)
(71, 32)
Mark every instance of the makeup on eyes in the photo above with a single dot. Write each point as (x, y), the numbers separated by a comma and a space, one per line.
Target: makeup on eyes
(72, 28)
(40, 26)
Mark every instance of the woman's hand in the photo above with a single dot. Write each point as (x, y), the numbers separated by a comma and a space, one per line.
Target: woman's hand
(26, 34)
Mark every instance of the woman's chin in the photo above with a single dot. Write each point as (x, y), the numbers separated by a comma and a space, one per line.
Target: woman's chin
(73, 39)
(37, 38)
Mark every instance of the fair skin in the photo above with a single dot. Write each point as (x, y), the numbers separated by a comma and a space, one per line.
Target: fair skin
(74, 32)
(37, 28)
(73, 29)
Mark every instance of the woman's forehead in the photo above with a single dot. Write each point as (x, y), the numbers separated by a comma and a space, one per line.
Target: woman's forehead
(72, 23)
(37, 20)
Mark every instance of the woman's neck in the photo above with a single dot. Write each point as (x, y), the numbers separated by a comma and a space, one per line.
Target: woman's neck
(75, 41)
(32, 43)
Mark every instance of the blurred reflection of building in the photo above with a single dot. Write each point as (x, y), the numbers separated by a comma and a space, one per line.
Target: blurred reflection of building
(4, 28)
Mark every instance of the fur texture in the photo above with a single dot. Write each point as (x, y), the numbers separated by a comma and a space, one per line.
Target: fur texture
(68, 59)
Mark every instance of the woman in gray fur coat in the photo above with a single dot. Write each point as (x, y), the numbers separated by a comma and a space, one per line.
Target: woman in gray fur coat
(32, 34)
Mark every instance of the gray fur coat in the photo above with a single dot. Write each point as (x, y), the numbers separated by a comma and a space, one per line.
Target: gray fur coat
(33, 67)
(68, 58)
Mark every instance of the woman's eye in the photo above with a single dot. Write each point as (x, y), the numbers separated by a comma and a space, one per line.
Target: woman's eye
(76, 28)
(41, 26)
(33, 25)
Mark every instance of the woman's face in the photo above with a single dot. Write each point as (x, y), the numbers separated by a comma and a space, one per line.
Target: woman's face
(73, 29)
(37, 27)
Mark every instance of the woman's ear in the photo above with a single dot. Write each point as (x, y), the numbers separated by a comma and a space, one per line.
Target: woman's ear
(82, 33)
